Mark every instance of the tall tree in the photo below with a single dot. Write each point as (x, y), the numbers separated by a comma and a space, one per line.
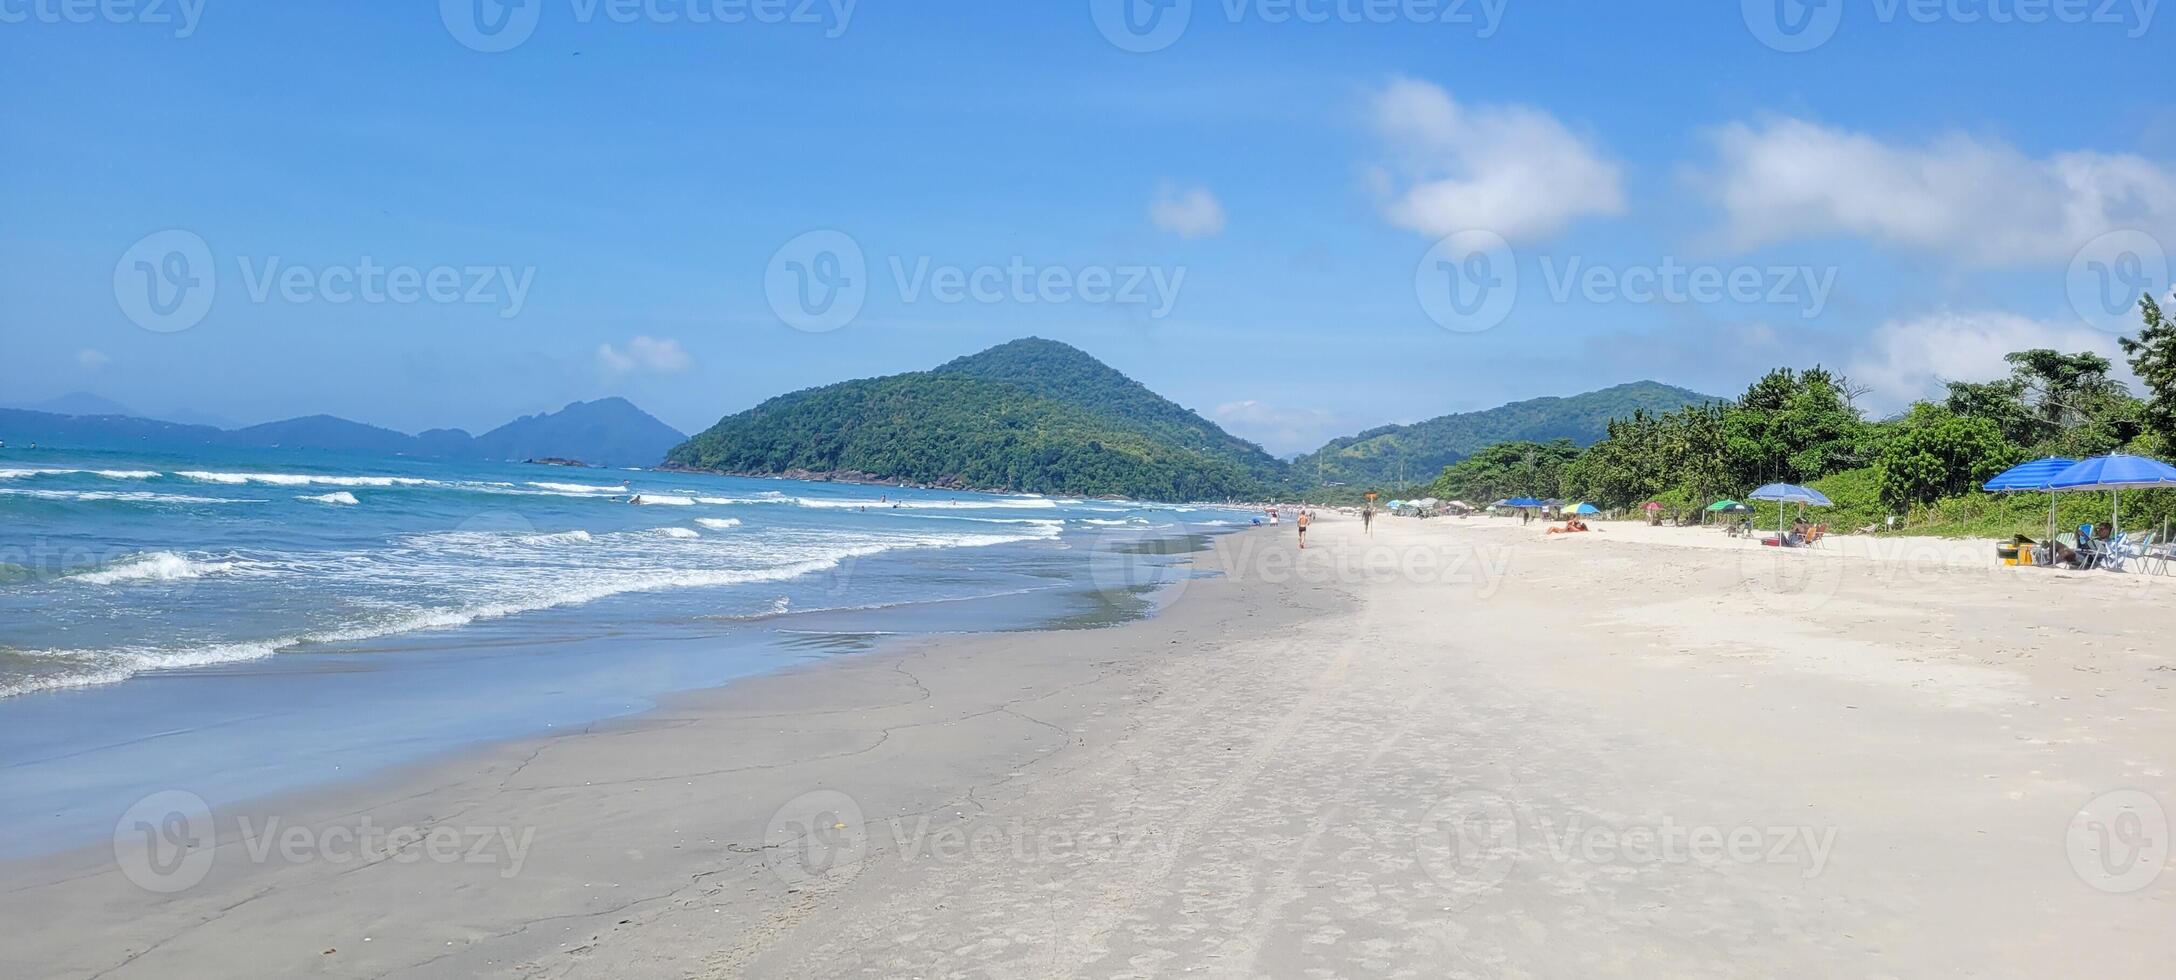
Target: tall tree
(1794, 427)
(1938, 453)
(2153, 358)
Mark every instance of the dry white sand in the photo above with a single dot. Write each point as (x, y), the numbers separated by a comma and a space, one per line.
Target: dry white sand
(1454, 749)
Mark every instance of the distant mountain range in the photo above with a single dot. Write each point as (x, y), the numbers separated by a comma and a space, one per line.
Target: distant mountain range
(1039, 416)
(605, 432)
(1032, 415)
(1416, 453)
(85, 403)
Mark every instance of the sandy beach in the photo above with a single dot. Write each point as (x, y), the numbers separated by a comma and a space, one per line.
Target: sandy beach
(1453, 748)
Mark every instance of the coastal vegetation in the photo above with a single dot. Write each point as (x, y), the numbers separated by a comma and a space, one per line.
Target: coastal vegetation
(1922, 466)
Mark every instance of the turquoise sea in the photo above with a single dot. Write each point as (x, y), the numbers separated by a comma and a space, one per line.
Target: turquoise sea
(236, 624)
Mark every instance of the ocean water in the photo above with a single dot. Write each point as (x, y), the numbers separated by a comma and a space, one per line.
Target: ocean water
(241, 623)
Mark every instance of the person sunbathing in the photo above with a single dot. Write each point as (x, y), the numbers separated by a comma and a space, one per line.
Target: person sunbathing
(1572, 525)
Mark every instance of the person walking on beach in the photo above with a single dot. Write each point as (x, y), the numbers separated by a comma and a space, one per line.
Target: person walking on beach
(1306, 517)
(1367, 520)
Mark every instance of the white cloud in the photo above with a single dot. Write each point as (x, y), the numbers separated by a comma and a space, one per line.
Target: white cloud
(1193, 213)
(646, 355)
(1908, 360)
(1976, 200)
(92, 360)
(1513, 170)
(1282, 431)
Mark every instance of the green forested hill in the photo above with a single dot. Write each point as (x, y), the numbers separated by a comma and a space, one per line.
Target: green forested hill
(1032, 416)
(1423, 449)
(1067, 374)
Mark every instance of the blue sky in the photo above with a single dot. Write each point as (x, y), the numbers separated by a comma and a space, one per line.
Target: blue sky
(604, 203)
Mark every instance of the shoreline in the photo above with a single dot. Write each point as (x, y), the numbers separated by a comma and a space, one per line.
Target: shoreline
(548, 675)
(424, 795)
(1270, 777)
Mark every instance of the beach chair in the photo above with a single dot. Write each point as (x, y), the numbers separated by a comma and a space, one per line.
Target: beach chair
(2157, 556)
(2095, 552)
(1818, 537)
(2089, 550)
(2123, 550)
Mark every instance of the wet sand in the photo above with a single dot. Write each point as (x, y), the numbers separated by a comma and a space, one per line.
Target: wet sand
(1451, 749)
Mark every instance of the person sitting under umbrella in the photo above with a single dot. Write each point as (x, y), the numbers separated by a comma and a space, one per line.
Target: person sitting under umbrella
(1572, 525)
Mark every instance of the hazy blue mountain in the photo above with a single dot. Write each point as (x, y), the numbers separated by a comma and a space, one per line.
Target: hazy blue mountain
(86, 403)
(325, 432)
(77, 403)
(19, 427)
(606, 432)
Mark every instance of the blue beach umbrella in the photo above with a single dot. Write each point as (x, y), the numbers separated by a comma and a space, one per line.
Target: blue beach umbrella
(2113, 472)
(2034, 476)
(1584, 509)
(1790, 493)
(1523, 502)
